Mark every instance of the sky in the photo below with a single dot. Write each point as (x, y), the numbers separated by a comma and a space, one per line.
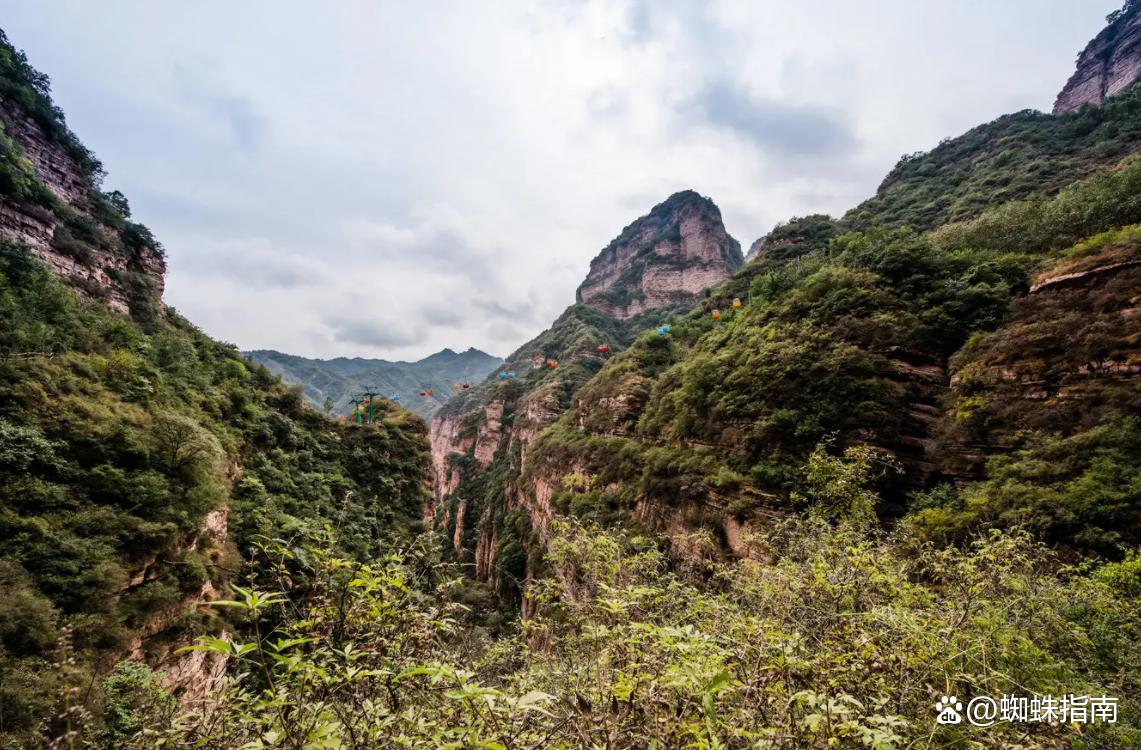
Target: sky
(385, 179)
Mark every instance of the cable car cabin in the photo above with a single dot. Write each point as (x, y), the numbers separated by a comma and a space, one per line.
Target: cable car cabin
(511, 375)
(502, 376)
(663, 330)
(736, 302)
(341, 418)
(603, 349)
(455, 386)
(466, 386)
(394, 398)
(430, 393)
(716, 315)
(423, 394)
(552, 363)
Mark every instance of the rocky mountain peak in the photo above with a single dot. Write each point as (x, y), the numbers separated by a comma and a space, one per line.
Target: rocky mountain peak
(755, 249)
(1110, 63)
(664, 258)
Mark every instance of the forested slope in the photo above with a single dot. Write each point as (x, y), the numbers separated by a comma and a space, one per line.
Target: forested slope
(142, 464)
(871, 340)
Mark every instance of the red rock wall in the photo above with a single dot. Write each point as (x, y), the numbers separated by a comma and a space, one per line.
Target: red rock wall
(1108, 65)
(674, 266)
(36, 225)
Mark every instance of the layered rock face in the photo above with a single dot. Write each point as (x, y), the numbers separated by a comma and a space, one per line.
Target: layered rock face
(107, 268)
(1066, 357)
(1108, 65)
(676, 251)
(481, 444)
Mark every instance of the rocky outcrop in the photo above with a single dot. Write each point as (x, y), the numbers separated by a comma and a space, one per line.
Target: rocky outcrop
(670, 255)
(489, 434)
(55, 167)
(446, 442)
(1109, 64)
(190, 674)
(755, 249)
(663, 259)
(116, 264)
(1065, 358)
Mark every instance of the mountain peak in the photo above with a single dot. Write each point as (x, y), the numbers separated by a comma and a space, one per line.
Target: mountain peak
(673, 253)
(1110, 63)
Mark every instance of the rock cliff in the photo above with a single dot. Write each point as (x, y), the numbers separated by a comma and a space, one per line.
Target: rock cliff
(755, 249)
(1066, 357)
(672, 254)
(1110, 63)
(50, 201)
(496, 517)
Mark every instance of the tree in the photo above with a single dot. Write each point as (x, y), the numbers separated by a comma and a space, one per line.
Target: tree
(119, 201)
(181, 441)
(842, 488)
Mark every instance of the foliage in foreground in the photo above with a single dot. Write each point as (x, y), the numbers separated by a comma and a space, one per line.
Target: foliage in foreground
(117, 438)
(846, 640)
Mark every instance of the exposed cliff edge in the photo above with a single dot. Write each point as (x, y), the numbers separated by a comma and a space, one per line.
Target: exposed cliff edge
(51, 201)
(672, 254)
(755, 249)
(1110, 63)
(655, 269)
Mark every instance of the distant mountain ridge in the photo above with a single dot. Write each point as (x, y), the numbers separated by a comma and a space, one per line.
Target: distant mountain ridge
(344, 378)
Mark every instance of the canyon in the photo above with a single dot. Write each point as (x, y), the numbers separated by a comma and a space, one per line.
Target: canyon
(956, 357)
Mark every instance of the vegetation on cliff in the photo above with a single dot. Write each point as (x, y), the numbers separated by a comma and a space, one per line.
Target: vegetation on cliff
(845, 638)
(1016, 157)
(851, 345)
(117, 438)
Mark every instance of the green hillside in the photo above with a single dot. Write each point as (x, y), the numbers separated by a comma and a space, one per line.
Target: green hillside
(116, 440)
(851, 345)
(1015, 157)
(143, 465)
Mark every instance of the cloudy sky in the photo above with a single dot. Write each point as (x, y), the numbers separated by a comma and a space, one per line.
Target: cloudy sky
(389, 178)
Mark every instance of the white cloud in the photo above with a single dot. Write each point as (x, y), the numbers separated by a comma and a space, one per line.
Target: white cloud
(367, 178)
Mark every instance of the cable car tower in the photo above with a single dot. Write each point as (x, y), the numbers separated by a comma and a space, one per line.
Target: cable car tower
(370, 394)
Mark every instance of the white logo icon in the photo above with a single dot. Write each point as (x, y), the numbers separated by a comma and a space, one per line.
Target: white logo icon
(949, 710)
